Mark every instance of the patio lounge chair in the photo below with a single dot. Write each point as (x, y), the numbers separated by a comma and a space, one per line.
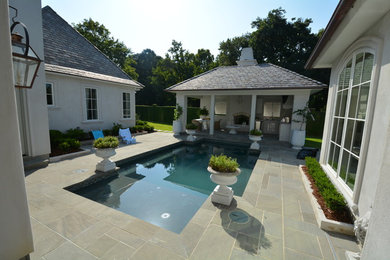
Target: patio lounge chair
(126, 137)
(97, 134)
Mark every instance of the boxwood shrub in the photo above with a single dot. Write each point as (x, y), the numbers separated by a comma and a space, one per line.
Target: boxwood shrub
(333, 199)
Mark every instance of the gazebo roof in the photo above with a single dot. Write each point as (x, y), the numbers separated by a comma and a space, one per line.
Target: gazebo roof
(251, 77)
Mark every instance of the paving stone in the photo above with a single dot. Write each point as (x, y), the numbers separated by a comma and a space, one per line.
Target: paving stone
(190, 236)
(69, 251)
(294, 255)
(90, 235)
(216, 243)
(273, 224)
(239, 254)
(203, 217)
(125, 237)
(269, 203)
(150, 251)
(119, 251)
(101, 245)
(302, 242)
(72, 224)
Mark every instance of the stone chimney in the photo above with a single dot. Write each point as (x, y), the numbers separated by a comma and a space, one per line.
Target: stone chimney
(246, 57)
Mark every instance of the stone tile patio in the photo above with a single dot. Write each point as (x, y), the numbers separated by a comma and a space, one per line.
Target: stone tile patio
(281, 221)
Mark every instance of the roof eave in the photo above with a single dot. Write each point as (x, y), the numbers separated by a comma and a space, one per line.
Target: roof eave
(341, 11)
(248, 89)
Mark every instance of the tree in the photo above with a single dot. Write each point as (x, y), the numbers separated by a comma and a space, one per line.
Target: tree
(230, 50)
(101, 37)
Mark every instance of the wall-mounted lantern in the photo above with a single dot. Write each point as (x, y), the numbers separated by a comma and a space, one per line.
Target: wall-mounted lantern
(25, 60)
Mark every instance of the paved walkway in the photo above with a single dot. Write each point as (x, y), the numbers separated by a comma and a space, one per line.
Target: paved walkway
(281, 221)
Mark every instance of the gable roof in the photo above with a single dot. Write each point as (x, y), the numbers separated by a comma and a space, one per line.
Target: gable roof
(262, 76)
(65, 47)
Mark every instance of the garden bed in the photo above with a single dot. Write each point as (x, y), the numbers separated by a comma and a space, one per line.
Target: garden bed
(331, 211)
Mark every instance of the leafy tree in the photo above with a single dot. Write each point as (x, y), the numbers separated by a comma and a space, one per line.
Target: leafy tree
(101, 37)
(146, 61)
(230, 50)
(203, 61)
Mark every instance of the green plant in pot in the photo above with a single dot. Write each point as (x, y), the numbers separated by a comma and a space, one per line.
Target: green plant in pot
(105, 148)
(191, 129)
(203, 112)
(177, 112)
(255, 136)
(223, 171)
(298, 135)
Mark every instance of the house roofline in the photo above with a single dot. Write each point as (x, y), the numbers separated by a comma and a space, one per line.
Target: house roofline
(338, 16)
(249, 89)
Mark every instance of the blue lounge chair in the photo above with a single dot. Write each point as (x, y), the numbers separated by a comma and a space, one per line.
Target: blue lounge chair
(97, 134)
(126, 137)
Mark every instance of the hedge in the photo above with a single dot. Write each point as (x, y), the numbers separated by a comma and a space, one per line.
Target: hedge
(163, 114)
(333, 199)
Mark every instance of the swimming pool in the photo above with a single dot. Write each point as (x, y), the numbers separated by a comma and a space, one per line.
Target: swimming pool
(167, 188)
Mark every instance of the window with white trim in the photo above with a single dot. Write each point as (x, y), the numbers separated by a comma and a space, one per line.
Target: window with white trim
(49, 94)
(349, 117)
(272, 109)
(91, 101)
(126, 105)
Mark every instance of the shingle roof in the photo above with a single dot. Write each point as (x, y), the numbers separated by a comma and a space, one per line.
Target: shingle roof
(65, 47)
(262, 76)
(87, 74)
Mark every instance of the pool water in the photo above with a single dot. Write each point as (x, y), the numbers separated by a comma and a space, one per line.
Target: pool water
(168, 188)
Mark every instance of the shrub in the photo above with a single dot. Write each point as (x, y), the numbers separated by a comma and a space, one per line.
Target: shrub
(106, 142)
(139, 128)
(107, 132)
(75, 133)
(115, 129)
(177, 112)
(222, 163)
(140, 122)
(204, 112)
(68, 144)
(149, 128)
(256, 132)
(191, 126)
(333, 199)
(55, 137)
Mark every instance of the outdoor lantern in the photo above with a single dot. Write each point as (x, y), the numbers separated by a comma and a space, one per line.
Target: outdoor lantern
(25, 60)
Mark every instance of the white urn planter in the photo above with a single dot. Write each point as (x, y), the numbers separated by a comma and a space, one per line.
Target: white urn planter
(255, 139)
(298, 139)
(176, 127)
(190, 137)
(223, 194)
(106, 164)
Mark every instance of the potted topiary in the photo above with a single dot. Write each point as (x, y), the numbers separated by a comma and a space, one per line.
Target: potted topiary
(255, 136)
(223, 171)
(177, 112)
(298, 136)
(105, 148)
(203, 112)
(191, 129)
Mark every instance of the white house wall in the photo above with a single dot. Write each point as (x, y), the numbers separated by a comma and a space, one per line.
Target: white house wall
(377, 38)
(15, 230)
(69, 110)
(36, 117)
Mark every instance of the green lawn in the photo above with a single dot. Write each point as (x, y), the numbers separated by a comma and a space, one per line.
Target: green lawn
(162, 127)
(313, 142)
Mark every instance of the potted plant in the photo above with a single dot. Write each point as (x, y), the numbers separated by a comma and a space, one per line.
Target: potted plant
(191, 129)
(105, 148)
(203, 112)
(177, 112)
(255, 136)
(298, 136)
(223, 171)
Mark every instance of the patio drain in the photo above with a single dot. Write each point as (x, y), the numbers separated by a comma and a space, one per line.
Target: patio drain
(239, 217)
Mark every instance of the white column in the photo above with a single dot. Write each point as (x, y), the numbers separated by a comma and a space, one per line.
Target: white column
(181, 100)
(15, 236)
(212, 112)
(300, 101)
(253, 113)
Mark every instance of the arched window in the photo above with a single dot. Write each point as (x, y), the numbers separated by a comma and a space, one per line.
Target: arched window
(349, 116)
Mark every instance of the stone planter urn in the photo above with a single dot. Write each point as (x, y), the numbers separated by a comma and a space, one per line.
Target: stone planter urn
(255, 139)
(190, 137)
(223, 194)
(176, 127)
(106, 164)
(298, 139)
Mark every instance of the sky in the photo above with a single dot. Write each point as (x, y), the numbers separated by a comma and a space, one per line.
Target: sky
(153, 24)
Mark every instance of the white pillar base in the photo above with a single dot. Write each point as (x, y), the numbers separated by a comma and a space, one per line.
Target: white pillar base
(222, 195)
(255, 146)
(105, 166)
